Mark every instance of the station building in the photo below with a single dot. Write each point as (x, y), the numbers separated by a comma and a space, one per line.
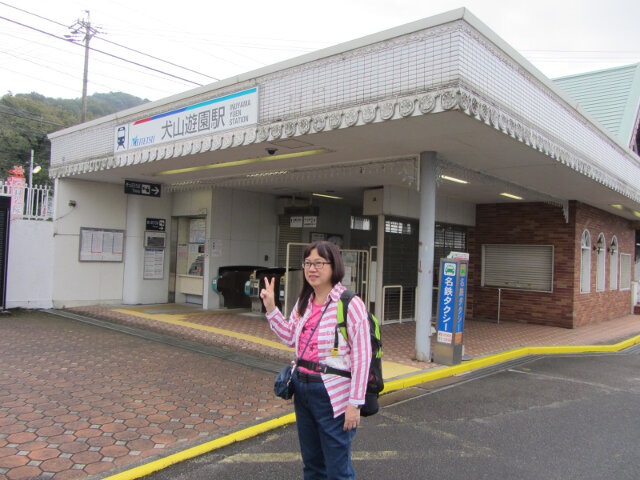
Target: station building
(402, 146)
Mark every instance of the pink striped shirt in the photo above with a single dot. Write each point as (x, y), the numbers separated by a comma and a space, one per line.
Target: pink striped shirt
(353, 356)
(310, 352)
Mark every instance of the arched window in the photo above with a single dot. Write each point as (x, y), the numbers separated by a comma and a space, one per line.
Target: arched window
(613, 264)
(601, 256)
(585, 263)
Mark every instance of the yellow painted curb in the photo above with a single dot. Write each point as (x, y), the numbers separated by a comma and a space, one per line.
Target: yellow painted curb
(156, 465)
(390, 386)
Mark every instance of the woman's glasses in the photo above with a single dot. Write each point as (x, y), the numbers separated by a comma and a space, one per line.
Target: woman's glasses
(316, 265)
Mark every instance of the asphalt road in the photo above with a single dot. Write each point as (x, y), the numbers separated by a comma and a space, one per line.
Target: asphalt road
(561, 417)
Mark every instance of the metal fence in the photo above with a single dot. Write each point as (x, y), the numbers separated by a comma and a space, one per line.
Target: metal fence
(29, 203)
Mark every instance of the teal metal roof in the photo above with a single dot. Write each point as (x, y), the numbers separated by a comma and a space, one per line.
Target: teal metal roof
(611, 96)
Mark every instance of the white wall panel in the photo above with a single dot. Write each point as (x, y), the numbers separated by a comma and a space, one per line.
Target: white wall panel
(243, 225)
(191, 203)
(137, 290)
(454, 211)
(98, 205)
(30, 264)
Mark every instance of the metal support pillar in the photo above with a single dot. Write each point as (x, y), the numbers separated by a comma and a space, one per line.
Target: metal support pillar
(379, 295)
(425, 255)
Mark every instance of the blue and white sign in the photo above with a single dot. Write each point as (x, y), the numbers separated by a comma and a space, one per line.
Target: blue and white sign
(446, 306)
(452, 298)
(213, 116)
(461, 301)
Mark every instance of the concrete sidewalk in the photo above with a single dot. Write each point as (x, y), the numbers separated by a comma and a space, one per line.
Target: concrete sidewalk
(82, 402)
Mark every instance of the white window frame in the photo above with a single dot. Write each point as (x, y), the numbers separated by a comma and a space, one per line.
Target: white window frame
(501, 264)
(613, 264)
(585, 262)
(625, 276)
(397, 227)
(601, 256)
(360, 223)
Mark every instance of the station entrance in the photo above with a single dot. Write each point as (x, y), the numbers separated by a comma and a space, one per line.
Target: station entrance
(357, 239)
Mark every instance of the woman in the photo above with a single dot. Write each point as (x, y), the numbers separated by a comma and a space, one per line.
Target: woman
(327, 404)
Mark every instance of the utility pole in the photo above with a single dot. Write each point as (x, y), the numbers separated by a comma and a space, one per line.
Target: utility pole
(30, 170)
(84, 27)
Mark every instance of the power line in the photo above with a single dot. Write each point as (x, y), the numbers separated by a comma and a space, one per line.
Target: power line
(99, 51)
(39, 79)
(31, 118)
(102, 74)
(25, 131)
(156, 58)
(34, 14)
(110, 87)
(112, 42)
(47, 67)
(19, 110)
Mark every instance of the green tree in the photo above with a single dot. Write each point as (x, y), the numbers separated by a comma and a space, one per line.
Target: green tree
(26, 119)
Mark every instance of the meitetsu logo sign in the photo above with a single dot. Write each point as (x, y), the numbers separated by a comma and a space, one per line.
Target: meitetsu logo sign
(216, 115)
(141, 141)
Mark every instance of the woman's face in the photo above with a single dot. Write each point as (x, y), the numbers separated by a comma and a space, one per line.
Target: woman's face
(318, 277)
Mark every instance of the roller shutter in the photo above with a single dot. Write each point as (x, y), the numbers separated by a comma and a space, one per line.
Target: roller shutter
(286, 235)
(521, 267)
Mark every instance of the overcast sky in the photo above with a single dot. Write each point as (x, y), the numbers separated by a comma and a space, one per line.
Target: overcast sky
(219, 39)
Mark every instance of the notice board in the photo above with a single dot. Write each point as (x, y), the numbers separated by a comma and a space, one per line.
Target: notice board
(101, 245)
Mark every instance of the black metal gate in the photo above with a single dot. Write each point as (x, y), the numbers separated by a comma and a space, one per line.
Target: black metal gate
(400, 277)
(5, 217)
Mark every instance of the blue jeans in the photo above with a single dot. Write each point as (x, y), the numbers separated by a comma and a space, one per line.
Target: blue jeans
(324, 445)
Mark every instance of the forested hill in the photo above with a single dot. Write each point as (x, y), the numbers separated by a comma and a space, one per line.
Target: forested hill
(25, 120)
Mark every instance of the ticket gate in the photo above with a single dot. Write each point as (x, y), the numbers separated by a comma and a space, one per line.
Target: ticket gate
(285, 283)
(230, 284)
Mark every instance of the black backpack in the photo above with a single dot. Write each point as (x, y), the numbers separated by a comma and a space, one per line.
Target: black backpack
(375, 383)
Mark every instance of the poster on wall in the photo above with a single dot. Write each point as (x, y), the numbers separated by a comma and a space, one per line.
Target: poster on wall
(101, 245)
(310, 221)
(154, 239)
(16, 185)
(216, 248)
(153, 264)
(197, 230)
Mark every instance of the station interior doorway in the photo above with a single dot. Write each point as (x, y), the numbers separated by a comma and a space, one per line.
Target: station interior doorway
(360, 253)
(186, 259)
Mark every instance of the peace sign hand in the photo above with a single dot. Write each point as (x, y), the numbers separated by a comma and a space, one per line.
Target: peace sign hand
(267, 294)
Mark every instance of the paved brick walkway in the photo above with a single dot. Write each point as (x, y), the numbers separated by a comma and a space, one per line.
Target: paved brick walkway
(78, 401)
(481, 338)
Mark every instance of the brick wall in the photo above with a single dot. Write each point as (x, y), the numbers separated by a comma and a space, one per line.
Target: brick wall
(595, 306)
(542, 224)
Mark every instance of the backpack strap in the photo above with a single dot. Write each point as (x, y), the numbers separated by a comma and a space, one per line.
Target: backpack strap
(342, 314)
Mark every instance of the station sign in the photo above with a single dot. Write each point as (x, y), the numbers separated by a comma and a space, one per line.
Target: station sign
(452, 300)
(212, 116)
(133, 187)
(446, 301)
(155, 224)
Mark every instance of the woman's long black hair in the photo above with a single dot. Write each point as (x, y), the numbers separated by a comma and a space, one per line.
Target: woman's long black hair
(330, 253)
